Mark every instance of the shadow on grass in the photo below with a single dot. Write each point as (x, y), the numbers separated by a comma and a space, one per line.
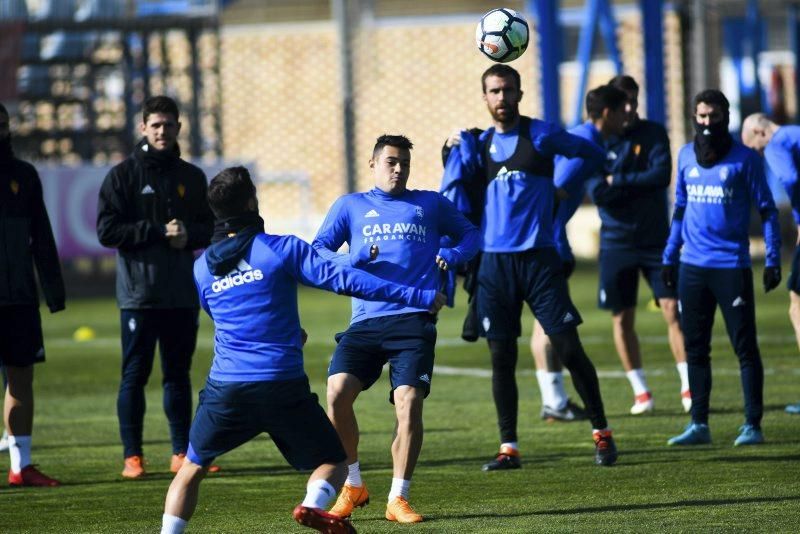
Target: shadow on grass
(615, 508)
(84, 445)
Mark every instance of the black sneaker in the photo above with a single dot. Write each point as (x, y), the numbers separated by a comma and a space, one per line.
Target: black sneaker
(571, 412)
(605, 450)
(507, 459)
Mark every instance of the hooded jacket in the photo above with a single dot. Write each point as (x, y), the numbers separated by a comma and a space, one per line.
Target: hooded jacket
(26, 238)
(137, 199)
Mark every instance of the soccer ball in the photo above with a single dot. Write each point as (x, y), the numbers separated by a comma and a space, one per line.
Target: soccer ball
(502, 35)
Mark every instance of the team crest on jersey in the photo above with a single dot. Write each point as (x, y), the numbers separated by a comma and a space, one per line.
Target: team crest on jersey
(181, 190)
(419, 211)
(611, 155)
(723, 173)
(14, 186)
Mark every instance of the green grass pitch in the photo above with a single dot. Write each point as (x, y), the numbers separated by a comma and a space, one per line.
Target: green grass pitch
(653, 488)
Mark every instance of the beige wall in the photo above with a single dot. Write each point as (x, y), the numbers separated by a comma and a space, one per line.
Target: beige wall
(281, 103)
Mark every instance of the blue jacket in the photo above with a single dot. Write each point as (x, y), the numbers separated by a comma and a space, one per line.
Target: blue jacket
(254, 306)
(634, 210)
(407, 229)
(783, 157)
(518, 207)
(712, 211)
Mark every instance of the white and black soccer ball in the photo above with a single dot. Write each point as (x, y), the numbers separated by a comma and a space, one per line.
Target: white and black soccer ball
(502, 35)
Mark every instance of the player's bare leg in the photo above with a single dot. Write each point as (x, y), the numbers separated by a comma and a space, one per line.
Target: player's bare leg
(181, 498)
(407, 443)
(343, 389)
(627, 344)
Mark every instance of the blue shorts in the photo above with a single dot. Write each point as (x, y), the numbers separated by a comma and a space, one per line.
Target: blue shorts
(406, 341)
(536, 276)
(619, 277)
(232, 413)
(793, 283)
(21, 342)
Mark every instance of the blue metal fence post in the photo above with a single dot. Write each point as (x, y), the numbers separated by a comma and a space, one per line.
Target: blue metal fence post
(546, 13)
(652, 21)
(585, 55)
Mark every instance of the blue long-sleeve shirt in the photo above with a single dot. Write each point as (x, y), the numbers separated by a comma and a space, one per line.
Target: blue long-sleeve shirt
(407, 229)
(518, 212)
(783, 157)
(712, 211)
(634, 209)
(571, 174)
(254, 307)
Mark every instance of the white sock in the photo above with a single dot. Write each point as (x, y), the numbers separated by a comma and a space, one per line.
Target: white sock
(319, 494)
(354, 475)
(19, 449)
(638, 382)
(172, 524)
(513, 444)
(544, 387)
(399, 488)
(683, 371)
(557, 390)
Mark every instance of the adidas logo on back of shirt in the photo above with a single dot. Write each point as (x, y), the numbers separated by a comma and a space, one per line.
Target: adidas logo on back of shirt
(694, 173)
(147, 190)
(372, 213)
(242, 274)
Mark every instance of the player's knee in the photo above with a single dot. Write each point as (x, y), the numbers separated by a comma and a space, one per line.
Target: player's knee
(342, 391)
(504, 354)
(624, 320)
(669, 309)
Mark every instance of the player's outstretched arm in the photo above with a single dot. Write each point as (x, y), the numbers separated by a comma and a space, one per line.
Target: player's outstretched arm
(658, 171)
(303, 263)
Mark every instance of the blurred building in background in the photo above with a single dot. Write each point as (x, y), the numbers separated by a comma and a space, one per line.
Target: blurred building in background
(300, 89)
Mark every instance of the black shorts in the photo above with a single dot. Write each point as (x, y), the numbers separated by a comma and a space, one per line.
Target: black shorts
(21, 342)
(232, 413)
(507, 279)
(406, 341)
(619, 277)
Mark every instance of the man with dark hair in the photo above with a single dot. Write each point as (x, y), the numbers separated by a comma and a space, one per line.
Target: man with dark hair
(631, 197)
(393, 232)
(27, 242)
(718, 181)
(605, 108)
(780, 146)
(247, 282)
(516, 158)
(153, 210)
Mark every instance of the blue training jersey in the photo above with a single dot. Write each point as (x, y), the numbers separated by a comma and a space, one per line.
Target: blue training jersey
(407, 229)
(518, 212)
(783, 157)
(712, 211)
(564, 176)
(254, 307)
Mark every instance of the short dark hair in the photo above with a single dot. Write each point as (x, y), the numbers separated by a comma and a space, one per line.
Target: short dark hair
(712, 97)
(501, 71)
(159, 104)
(230, 191)
(399, 141)
(625, 83)
(604, 97)
(3, 110)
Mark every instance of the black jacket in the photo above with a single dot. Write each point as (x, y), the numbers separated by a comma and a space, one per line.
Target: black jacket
(26, 238)
(138, 198)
